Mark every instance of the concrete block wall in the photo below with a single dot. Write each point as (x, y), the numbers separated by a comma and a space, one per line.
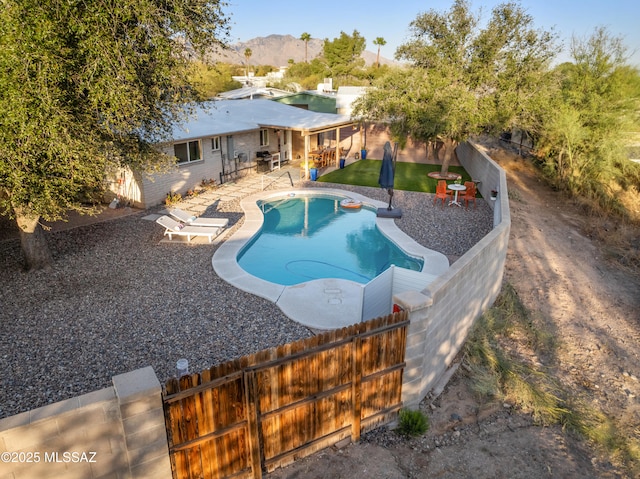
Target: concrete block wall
(479, 165)
(116, 433)
(442, 314)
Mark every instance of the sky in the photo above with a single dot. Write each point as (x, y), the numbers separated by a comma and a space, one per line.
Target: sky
(390, 20)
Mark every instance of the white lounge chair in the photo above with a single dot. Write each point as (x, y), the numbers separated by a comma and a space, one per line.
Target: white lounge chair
(189, 219)
(172, 227)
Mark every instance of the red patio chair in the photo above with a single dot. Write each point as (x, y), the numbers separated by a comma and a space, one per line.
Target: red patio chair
(469, 193)
(441, 192)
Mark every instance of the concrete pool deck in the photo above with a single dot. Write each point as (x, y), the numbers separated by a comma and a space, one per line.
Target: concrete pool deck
(323, 303)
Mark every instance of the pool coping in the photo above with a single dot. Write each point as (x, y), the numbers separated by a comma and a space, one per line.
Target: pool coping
(340, 299)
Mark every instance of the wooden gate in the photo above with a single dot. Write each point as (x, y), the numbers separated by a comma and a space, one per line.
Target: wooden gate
(263, 411)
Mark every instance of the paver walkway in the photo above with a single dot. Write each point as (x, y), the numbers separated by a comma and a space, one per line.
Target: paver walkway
(286, 177)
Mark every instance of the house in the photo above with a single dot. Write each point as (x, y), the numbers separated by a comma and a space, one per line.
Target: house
(261, 81)
(346, 96)
(252, 93)
(324, 99)
(223, 138)
(310, 100)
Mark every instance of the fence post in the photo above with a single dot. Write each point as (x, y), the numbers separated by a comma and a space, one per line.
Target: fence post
(251, 400)
(139, 397)
(356, 385)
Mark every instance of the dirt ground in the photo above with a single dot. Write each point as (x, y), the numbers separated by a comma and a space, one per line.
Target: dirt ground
(567, 281)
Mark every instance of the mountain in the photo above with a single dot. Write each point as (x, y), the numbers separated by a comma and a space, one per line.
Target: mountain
(277, 50)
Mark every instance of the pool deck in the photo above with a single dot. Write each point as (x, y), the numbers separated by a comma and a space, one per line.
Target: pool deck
(320, 304)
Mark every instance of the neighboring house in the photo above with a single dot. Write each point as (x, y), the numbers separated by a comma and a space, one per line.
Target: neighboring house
(314, 100)
(310, 100)
(346, 96)
(224, 137)
(252, 93)
(252, 80)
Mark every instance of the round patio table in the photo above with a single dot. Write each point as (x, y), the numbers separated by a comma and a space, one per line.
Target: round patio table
(457, 188)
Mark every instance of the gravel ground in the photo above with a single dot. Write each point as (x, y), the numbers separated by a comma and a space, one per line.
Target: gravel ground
(119, 299)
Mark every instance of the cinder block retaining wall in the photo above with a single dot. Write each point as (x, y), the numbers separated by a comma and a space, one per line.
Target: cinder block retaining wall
(124, 424)
(442, 314)
(115, 433)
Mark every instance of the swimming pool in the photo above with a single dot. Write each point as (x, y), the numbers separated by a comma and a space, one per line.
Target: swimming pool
(326, 303)
(304, 238)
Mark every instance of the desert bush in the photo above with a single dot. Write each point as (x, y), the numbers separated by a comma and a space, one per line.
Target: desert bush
(412, 422)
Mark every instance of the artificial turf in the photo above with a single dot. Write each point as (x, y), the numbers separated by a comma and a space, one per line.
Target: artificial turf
(408, 176)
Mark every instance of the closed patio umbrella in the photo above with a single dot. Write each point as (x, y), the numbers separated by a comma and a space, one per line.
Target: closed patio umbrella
(386, 180)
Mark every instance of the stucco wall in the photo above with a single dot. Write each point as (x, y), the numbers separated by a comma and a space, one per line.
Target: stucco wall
(442, 314)
(376, 134)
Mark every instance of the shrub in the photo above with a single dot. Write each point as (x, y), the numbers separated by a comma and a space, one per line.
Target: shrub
(172, 198)
(412, 423)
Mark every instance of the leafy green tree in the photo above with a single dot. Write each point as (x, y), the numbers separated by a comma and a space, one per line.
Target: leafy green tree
(305, 37)
(84, 85)
(210, 80)
(462, 79)
(370, 74)
(343, 55)
(262, 70)
(308, 75)
(380, 42)
(585, 132)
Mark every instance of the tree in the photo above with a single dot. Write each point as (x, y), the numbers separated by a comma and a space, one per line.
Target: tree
(380, 42)
(462, 79)
(210, 80)
(585, 132)
(85, 85)
(343, 54)
(307, 75)
(247, 55)
(305, 37)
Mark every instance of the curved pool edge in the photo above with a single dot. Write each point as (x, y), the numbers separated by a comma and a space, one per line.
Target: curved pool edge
(338, 296)
(334, 302)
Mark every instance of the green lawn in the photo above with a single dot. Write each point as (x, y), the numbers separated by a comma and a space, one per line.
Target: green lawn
(409, 176)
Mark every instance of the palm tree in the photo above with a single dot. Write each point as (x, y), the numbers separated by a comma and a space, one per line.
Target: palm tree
(380, 42)
(247, 55)
(305, 37)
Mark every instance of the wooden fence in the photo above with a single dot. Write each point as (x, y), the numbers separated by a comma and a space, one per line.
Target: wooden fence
(252, 415)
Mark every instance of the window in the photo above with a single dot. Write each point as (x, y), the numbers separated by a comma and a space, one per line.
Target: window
(187, 152)
(215, 143)
(264, 137)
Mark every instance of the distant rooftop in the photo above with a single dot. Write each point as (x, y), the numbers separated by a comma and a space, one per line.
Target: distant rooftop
(253, 92)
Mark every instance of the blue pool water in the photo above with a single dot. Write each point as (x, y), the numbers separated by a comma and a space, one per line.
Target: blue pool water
(310, 237)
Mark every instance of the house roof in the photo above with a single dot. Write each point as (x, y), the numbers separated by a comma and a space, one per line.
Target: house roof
(251, 92)
(225, 117)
